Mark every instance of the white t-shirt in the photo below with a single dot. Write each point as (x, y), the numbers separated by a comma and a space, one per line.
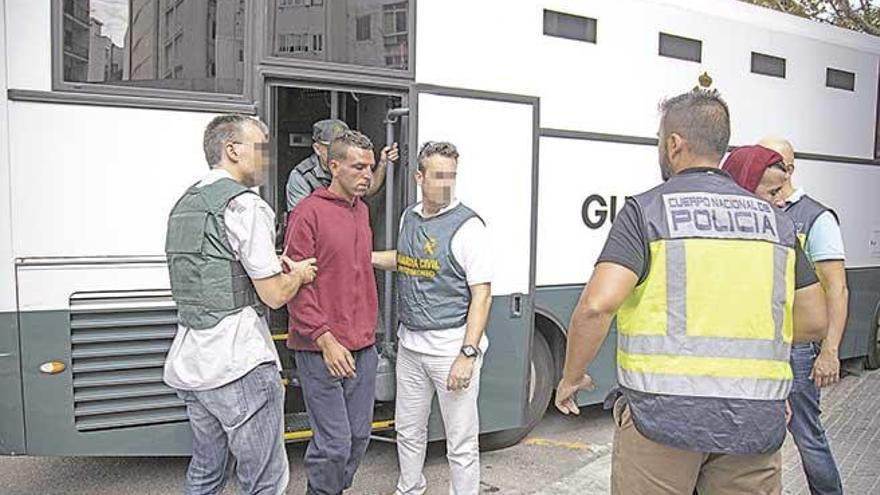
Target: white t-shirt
(212, 357)
(471, 248)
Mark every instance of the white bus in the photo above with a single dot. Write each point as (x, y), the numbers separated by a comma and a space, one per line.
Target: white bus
(552, 104)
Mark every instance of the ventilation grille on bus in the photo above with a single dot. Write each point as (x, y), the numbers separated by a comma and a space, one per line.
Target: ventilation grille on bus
(119, 341)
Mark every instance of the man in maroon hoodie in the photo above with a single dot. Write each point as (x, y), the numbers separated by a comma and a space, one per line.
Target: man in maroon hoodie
(332, 326)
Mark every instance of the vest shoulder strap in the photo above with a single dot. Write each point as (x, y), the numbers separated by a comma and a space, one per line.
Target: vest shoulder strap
(306, 169)
(219, 193)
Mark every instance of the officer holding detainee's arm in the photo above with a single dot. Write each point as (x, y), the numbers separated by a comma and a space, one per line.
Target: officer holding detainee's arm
(224, 271)
(444, 271)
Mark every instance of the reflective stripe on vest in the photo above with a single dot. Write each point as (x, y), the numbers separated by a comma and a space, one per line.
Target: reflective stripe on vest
(681, 332)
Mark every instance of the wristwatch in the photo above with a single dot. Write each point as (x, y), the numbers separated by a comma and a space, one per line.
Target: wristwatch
(469, 351)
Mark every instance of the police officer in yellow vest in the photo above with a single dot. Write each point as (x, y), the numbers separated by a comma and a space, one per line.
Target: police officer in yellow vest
(710, 289)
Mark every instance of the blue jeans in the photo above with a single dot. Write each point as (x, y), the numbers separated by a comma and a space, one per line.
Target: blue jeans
(243, 419)
(341, 415)
(806, 427)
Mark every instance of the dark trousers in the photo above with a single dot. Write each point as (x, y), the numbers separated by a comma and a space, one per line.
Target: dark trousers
(341, 414)
(806, 427)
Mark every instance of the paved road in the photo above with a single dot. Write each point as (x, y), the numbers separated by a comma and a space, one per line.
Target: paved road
(563, 455)
(556, 448)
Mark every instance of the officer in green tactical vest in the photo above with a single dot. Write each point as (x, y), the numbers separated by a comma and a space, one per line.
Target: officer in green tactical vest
(224, 272)
(710, 289)
(314, 173)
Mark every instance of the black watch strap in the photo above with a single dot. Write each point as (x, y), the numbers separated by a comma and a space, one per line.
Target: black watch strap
(470, 351)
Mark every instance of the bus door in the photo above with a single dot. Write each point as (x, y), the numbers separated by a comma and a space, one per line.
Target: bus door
(496, 136)
(294, 107)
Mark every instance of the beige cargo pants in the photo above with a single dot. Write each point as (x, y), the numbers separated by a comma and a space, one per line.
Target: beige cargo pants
(642, 466)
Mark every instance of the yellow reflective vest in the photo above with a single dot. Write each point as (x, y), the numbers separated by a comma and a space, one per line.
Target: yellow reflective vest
(713, 315)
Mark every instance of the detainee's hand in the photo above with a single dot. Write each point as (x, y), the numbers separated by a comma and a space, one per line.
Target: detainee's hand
(566, 394)
(338, 359)
(389, 154)
(306, 269)
(826, 369)
(460, 373)
(787, 412)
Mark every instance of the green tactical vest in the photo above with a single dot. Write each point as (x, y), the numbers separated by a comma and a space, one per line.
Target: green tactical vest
(208, 283)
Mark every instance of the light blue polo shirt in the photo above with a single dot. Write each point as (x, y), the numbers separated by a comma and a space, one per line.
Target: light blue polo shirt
(824, 240)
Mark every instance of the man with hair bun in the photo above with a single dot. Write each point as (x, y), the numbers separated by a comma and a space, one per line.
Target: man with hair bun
(702, 277)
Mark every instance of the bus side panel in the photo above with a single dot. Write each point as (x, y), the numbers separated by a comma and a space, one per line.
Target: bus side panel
(622, 96)
(864, 300)
(106, 184)
(110, 326)
(11, 412)
(851, 191)
(582, 185)
(558, 303)
(50, 404)
(11, 409)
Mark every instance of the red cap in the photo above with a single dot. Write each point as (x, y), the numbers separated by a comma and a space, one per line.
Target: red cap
(747, 164)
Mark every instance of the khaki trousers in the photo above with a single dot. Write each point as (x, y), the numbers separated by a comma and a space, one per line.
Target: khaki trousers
(642, 466)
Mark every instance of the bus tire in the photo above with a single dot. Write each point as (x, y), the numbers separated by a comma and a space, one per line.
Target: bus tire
(872, 360)
(541, 374)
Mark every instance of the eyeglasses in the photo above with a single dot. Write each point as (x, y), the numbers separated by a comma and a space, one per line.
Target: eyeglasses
(257, 146)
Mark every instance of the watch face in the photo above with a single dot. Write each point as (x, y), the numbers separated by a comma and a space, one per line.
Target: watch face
(469, 351)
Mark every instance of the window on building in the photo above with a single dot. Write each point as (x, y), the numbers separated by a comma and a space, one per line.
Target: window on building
(569, 26)
(124, 47)
(395, 61)
(768, 65)
(296, 43)
(394, 18)
(681, 48)
(338, 31)
(840, 79)
(362, 30)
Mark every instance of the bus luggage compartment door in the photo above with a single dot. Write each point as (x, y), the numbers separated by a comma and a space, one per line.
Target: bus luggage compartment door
(94, 334)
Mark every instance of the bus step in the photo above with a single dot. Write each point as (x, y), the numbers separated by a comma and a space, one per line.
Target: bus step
(290, 378)
(297, 428)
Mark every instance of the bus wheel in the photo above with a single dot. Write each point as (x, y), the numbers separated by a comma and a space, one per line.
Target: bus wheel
(540, 388)
(873, 359)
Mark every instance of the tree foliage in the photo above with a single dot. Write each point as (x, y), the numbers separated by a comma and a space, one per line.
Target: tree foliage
(858, 15)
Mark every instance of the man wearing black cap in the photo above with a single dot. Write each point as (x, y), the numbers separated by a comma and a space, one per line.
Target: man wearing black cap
(313, 172)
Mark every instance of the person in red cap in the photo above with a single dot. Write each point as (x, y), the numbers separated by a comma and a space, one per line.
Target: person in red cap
(759, 170)
(767, 173)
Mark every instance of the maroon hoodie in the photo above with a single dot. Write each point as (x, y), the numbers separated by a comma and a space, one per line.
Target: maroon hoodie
(342, 299)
